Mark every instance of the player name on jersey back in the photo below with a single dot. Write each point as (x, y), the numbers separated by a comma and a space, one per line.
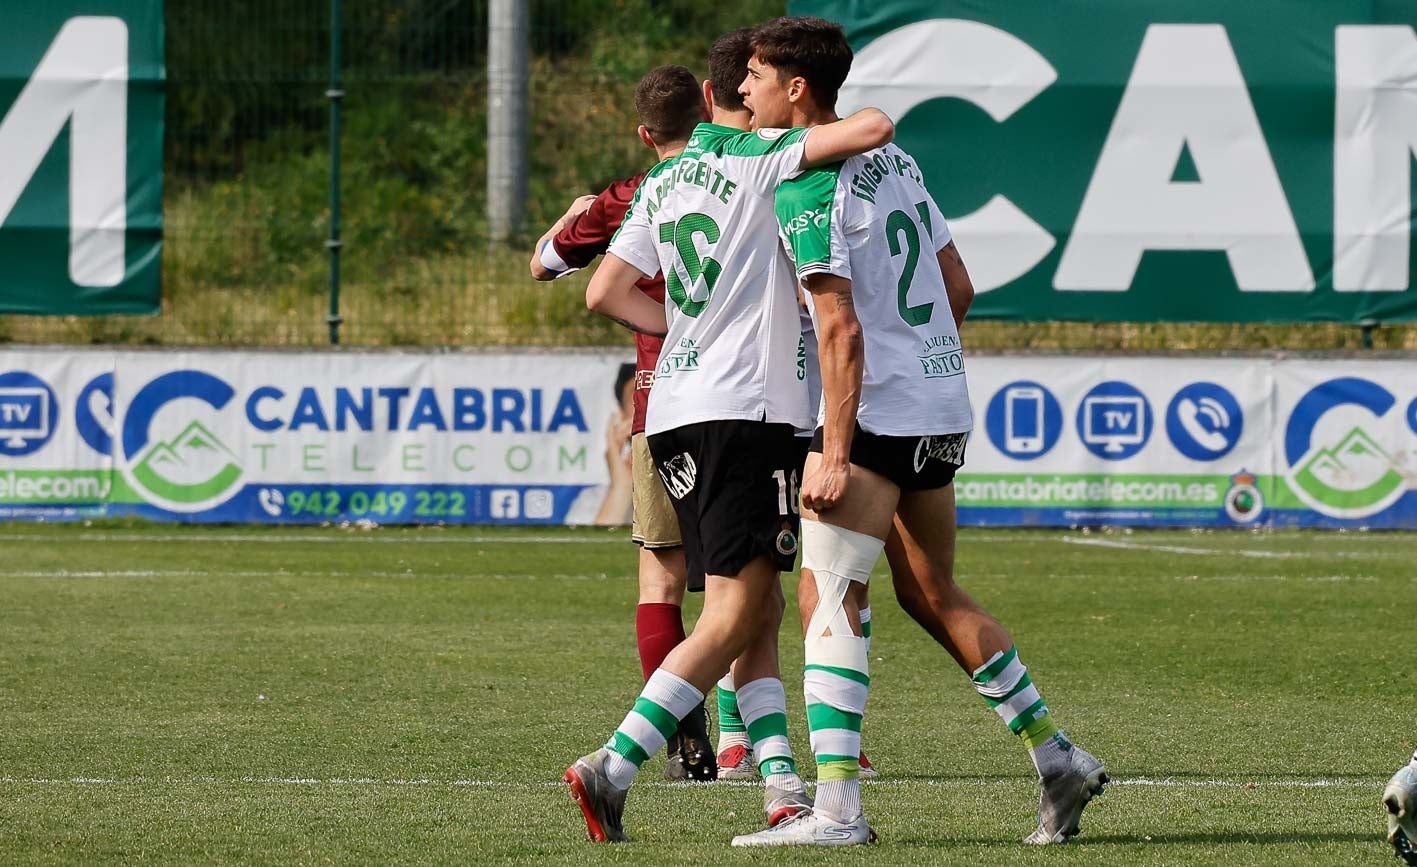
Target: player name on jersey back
(870, 220)
(705, 218)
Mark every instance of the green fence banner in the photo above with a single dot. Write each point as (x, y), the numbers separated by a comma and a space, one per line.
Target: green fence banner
(1192, 160)
(81, 102)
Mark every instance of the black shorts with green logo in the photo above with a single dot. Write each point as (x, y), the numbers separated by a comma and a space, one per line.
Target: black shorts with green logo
(734, 488)
(917, 463)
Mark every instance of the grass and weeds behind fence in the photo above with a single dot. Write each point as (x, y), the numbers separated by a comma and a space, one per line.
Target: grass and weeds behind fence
(246, 187)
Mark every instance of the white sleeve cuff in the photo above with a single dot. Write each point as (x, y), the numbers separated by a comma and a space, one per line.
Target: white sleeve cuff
(552, 261)
(834, 269)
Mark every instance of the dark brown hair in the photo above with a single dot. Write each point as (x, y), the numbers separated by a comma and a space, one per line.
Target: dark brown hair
(814, 48)
(669, 103)
(728, 66)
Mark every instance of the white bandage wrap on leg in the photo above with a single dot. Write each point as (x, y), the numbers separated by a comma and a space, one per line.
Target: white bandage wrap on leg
(836, 556)
(836, 678)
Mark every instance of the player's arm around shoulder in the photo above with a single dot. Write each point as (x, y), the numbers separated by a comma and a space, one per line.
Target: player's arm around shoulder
(863, 131)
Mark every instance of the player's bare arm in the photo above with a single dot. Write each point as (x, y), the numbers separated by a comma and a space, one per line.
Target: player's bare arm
(865, 130)
(612, 293)
(842, 357)
(958, 286)
(778, 99)
(538, 270)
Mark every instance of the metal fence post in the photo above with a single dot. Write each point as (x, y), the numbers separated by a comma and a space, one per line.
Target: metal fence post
(507, 51)
(1368, 326)
(335, 95)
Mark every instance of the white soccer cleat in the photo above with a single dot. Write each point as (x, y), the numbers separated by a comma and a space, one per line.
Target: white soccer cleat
(1400, 802)
(1062, 798)
(782, 804)
(809, 829)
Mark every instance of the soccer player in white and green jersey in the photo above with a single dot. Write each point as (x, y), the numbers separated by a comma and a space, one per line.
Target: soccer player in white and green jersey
(894, 424)
(723, 412)
(1400, 803)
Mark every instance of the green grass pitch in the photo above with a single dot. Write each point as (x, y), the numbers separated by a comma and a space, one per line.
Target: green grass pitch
(312, 696)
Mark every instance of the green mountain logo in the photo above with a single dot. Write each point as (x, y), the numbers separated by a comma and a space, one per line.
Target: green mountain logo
(192, 467)
(1356, 474)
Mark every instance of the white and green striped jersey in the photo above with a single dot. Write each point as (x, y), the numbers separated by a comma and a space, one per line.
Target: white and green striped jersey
(705, 219)
(870, 220)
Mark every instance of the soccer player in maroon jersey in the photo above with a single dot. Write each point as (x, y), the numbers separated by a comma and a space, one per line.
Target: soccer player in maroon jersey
(573, 242)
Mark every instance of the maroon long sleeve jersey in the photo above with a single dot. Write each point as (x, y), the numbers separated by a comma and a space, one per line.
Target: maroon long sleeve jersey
(588, 236)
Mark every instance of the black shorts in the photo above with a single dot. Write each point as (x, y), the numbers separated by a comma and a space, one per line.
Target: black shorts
(802, 444)
(734, 488)
(919, 463)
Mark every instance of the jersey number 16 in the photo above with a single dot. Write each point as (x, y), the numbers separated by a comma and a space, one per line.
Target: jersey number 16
(703, 273)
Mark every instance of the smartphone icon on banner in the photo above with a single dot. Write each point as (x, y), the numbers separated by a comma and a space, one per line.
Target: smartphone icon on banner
(1023, 419)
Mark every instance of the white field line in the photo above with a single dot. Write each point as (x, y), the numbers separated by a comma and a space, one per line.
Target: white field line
(1174, 549)
(362, 537)
(1369, 552)
(966, 536)
(288, 539)
(278, 573)
(961, 782)
(1310, 579)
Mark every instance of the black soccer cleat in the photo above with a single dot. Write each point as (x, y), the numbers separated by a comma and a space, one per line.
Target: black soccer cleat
(696, 748)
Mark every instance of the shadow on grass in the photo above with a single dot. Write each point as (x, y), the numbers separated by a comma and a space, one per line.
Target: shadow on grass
(937, 778)
(1208, 838)
(1218, 837)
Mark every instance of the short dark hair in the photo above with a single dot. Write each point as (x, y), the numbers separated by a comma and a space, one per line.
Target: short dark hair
(669, 103)
(814, 48)
(728, 66)
(624, 374)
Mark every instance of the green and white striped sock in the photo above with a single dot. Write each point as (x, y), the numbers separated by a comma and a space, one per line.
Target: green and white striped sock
(666, 699)
(731, 730)
(1006, 686)
(835, 682)
(764, 706)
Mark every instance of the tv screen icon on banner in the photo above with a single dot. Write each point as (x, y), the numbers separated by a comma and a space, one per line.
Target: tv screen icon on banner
(505, 504)
(24, 415)
(538, 504)
(1114, 421)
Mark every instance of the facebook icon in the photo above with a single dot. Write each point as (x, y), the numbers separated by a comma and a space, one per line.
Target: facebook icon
(505, 504)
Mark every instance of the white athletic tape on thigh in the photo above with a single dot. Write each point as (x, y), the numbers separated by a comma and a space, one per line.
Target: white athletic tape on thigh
(829, 548)
(837, 556)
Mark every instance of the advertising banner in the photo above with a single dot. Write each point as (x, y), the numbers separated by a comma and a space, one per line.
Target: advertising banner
(1192, 160)
(541, 438)
(81, 110)
(1208, 442)
(275, 437)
